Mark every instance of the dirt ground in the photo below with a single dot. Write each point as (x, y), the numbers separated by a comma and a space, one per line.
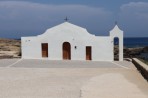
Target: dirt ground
(10, 48)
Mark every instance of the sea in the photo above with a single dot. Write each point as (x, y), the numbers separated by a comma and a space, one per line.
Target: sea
(134, 42)
(137, 42)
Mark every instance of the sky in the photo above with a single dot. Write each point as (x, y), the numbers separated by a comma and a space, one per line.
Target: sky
(19, 18)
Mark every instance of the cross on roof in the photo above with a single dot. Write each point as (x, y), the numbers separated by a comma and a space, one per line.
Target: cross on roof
(66, 19)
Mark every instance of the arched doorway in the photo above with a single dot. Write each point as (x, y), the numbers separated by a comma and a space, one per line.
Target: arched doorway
(66, 51)
(116, 49)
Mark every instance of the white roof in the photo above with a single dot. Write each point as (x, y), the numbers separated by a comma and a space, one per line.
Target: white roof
(67, 29)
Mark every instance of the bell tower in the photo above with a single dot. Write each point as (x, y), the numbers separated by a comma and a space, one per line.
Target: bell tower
(117, 33)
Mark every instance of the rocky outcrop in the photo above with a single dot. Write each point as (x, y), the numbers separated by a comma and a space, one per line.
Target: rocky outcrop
(142, 67)
(10, 48)
(132, 52)
(145, 49)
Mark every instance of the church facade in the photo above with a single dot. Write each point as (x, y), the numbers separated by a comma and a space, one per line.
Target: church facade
(67, 41)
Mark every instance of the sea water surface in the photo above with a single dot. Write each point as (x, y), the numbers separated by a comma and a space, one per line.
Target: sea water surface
(135, 42)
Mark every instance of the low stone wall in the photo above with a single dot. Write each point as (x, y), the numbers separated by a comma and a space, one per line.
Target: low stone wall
(142, 67)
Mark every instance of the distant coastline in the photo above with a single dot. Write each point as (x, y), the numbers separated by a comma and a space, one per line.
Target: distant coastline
(135, 42)
(132, 42)
(133, 47)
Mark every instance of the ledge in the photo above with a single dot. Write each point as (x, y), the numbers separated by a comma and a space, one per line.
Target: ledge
(142, 67)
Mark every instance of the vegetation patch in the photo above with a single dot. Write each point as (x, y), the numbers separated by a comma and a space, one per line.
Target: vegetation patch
(144, 61)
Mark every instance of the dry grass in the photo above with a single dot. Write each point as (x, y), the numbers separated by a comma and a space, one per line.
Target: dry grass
(144, 61)
(9, 48)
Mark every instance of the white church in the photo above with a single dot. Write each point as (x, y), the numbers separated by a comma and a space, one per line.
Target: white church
(67, 41)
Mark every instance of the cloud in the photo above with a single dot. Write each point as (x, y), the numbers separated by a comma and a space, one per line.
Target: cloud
(134, 16)
(28, 17)
(23, 18)
(137, 9)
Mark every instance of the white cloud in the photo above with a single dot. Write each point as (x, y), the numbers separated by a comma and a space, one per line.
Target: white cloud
(21, 9)
(134, 16)
(135, 5)
(21, 15)
(138, 10)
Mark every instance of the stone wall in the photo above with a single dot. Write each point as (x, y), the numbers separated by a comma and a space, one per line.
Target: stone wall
(143, 68)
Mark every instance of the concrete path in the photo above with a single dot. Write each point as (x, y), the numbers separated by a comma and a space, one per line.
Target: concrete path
(33, 63)
(114, 85)
(7, 62)
(70, 79)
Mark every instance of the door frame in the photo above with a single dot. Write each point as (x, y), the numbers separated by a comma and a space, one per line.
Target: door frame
(44, 48)
(88, 51)
(66, 47)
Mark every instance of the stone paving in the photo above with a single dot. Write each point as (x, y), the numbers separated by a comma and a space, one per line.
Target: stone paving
(70, 79)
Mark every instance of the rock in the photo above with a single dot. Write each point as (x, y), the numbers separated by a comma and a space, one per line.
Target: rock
(10, 48)
(134, 52)
(6, 56)
(131, 52)
(145, 49)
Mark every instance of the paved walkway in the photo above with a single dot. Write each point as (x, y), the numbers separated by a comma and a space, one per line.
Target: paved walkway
(70, 79)
(33, 63)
